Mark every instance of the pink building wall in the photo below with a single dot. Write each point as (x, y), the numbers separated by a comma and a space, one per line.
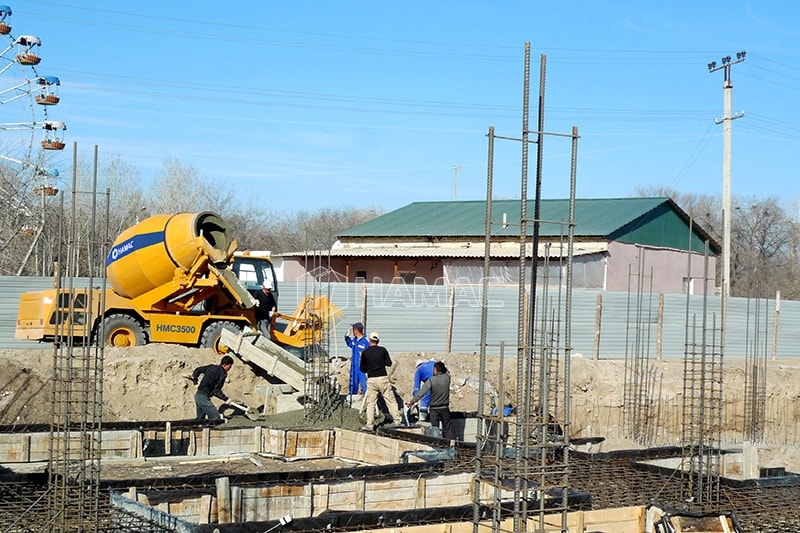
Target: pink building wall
(668, 267)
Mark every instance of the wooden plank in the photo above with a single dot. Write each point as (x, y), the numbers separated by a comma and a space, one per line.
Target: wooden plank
(358, 504)
(724, 521)
(319, 498)
(204, 509)
(223, 500)
(258, 441)
(236, 504)
(168, 439)
(136, 445)
(422, 484)
(291, 444)
(205, 442)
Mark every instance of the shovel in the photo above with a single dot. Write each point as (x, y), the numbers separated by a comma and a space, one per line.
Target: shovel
(249, 412)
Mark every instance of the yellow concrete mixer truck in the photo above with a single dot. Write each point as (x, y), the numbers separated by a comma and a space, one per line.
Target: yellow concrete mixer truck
(172, 280)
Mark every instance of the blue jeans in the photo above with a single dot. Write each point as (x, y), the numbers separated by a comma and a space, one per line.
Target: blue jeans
(205, 408)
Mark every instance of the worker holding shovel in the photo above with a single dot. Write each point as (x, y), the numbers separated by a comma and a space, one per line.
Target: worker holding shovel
(214, 377)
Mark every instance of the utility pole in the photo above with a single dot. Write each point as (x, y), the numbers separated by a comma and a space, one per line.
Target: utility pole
(456, 170)
(726, 120)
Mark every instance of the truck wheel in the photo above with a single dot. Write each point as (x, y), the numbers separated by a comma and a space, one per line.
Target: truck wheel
(123, 331)
(213, 332)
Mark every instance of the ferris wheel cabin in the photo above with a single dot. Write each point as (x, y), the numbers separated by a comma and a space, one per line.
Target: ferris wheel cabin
(53, 135)
(48, 90)
(25, 46)
(5, 12)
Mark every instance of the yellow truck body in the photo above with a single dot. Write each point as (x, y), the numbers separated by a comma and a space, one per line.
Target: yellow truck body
(170, 280)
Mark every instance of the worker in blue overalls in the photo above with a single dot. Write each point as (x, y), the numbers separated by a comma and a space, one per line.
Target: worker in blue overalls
(423, 373)
(357, 344)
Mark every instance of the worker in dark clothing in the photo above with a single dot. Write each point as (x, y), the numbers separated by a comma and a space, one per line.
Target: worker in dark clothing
(374, 362)
(266, 306)
(214, 377)
(439, 410)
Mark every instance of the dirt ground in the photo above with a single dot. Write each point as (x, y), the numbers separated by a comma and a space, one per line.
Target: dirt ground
(148, 383)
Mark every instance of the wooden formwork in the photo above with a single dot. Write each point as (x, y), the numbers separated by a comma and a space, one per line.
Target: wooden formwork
(33, 447)
(373, 449)
(621, 520)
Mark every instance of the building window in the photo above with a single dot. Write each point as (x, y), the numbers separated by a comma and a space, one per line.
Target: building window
(407, 277)
(688, 286)
(361, 275)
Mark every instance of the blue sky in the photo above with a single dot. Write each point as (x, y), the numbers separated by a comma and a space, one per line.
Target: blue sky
(308, 104)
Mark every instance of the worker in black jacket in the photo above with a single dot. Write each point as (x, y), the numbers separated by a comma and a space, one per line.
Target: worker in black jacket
(214, 377)
(439, 410)
(374, 362)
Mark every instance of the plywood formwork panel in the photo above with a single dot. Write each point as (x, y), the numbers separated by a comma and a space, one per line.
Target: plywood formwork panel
(270, 503)
(372, 449)
(623, 520)
(14, 448)
(224, 442)
(309, 444)
(274, 441)
(345, 496)
(39, 446)
(454, 489)
(33, 447)
(117, 443)
(393, 495)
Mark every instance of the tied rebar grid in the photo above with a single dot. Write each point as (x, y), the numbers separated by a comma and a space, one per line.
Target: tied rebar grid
(322, 398)
(702, 399)
(77, 386)
(755, 371)
(640, 376)
(23, 509)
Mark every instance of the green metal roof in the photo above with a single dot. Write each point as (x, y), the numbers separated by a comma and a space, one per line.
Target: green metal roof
(647, 221)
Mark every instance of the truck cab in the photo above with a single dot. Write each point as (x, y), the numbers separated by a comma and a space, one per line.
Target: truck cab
(253, 269)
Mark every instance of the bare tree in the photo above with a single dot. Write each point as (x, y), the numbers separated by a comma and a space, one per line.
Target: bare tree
(20, 218)
(765, 241)
(318, 230)
(177, 187)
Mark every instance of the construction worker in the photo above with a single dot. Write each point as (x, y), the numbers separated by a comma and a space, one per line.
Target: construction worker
(214, 377)
(266, 306)
(423, 373)
(374, 362)
(439, 387)
(357, 344)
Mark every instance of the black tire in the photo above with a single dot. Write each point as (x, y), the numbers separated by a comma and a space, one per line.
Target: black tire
(213, 332)
(123, 331)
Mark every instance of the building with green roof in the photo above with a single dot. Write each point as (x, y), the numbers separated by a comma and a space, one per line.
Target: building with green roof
(615, 240)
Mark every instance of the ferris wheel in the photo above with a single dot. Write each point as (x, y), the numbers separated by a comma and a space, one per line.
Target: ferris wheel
(26, 97)
(27, 136)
